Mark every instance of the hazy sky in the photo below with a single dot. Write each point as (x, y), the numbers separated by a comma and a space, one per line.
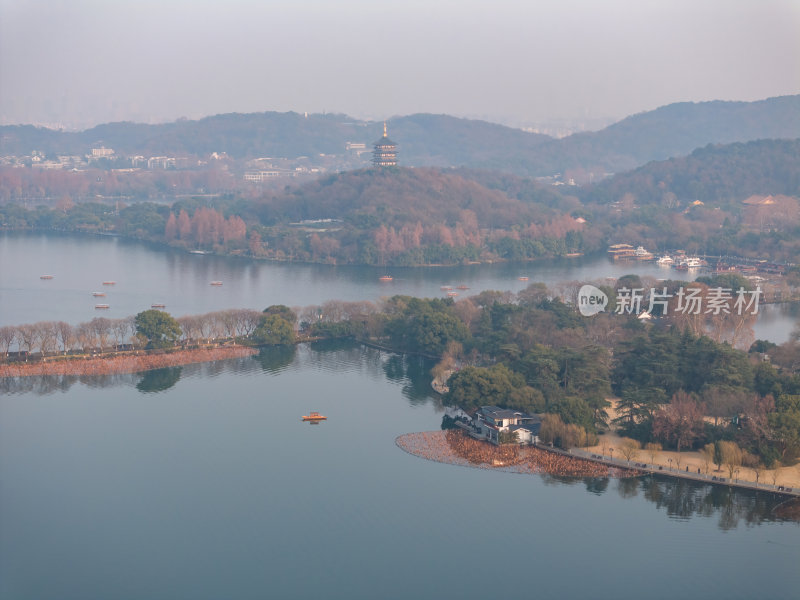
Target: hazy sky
(82, 62)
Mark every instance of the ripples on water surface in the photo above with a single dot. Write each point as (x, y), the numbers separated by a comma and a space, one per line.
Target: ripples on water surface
(202, 482)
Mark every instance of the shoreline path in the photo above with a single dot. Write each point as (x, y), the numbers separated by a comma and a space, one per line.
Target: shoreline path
(455, 448)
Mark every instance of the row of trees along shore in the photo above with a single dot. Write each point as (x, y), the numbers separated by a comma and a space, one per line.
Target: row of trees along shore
(153, 328)
(681, 383)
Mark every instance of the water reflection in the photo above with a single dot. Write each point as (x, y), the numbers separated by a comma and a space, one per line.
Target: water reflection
(684, 499)
(414, 374)
(40, 386)
(159, 380)
(274, 359)
(681, 499)
(628, 488)
(596, 485)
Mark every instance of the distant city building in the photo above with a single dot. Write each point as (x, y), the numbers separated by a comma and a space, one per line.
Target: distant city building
(265, 174)
(47, 164)
(385, 152)
(161, 162)
(102, 152)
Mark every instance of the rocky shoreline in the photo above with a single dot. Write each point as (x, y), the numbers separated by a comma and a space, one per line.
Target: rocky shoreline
(454, 448)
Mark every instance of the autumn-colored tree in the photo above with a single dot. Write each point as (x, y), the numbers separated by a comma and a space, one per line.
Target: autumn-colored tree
(323, 247)
(184, 225)
(171, 228)
(551, 430)
(652, 449)
(65, 204)
(680, 422)
(554, 431)
(707, 454)
(233, 230)
(629, 448)
(255, 244)
(732, 456)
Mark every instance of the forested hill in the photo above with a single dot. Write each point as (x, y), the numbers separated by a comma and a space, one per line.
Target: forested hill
(669, 131)
(401, 196)
(435, 140)
(723, 174)
(242, 136)
(678, 129)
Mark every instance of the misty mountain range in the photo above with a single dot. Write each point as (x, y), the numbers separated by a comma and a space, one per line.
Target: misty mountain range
(435, 140)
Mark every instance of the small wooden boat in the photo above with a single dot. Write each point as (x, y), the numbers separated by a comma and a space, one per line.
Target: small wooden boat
(522, 278)
(109, 282)
(452, 294)
(314, 416)
(98, 294)
(463, 287)
(102, 306)
(385, 278)
(158, 306)
(45, 276)
(217, 283)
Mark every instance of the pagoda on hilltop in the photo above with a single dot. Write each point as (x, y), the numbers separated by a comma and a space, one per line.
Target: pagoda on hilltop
(385, 152)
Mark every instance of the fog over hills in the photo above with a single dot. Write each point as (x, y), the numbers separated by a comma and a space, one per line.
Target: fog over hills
(435, 140)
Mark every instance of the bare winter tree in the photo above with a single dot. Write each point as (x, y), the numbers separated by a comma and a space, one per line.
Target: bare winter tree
(8, 335)
(206, 324)
(48, 336)
(217, 324)
(333, 311)
(121, 329)
(65, 335)
(102, 330)
(248, 321)
(309, 314)
(190, 326)
(26, 337)
(723, 402)
(85, 334)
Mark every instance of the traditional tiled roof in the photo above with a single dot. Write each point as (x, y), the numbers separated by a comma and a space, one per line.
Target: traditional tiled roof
(495, 412)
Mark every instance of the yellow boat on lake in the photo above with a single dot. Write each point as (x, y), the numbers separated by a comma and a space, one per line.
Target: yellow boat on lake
(314, 416)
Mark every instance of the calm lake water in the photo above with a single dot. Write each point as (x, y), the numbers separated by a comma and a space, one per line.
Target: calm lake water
(201, 482)
(147, 274)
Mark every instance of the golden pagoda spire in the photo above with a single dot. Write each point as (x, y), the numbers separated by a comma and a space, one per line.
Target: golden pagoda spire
(385, 152)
